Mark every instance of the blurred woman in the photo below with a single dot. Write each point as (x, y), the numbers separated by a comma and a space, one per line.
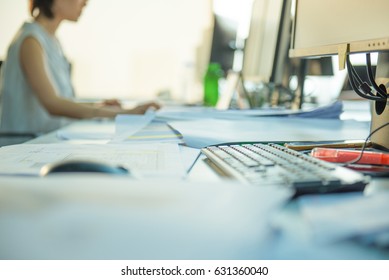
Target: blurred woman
(36, 92)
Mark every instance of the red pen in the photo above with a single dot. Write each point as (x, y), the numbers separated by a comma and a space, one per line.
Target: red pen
(343, 156)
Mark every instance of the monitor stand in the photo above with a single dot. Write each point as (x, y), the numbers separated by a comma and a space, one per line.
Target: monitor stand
(380, 115)
(234, 87)
(380, 139)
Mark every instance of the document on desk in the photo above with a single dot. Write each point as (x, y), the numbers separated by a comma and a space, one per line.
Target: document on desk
(143, 160)
(85, 130)
(130, 124)
(195, 113)
(205, 132)
(124, 125)
(155, 131)
(331, 111)
(344, 216)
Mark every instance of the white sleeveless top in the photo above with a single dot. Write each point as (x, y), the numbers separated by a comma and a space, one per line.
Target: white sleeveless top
(20, 109)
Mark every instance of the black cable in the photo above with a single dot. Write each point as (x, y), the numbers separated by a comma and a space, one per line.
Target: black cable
(353, 75)
(353, 71)
(363, 86)
(371, 77)
(365, 144)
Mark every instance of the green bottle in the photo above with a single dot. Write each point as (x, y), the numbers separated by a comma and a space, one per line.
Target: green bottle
(211, 84)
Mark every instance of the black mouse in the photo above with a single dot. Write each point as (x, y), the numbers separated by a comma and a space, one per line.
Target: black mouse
(81, 166)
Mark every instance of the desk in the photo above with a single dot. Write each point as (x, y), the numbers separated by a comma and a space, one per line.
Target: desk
(295, 240)
(289, 239)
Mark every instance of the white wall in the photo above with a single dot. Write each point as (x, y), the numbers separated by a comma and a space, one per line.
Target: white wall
(12, 14)
(124, 48)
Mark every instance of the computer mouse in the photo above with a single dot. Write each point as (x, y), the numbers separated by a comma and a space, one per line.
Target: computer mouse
(81, 166)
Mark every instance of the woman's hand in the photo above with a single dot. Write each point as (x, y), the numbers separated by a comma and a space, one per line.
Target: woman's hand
(141, 109)
(111, 102)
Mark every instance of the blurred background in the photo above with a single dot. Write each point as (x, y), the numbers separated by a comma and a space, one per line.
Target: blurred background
(147, 49)
(130, 49)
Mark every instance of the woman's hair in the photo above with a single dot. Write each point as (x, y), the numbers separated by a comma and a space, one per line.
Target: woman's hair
(44, 7)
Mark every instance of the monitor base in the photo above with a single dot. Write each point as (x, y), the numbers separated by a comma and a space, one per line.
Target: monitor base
(380, 112)
(380, 139)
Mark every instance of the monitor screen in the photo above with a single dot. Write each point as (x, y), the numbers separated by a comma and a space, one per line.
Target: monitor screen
(267, 44)
(321, 27)
(223, 41)
(333, 27)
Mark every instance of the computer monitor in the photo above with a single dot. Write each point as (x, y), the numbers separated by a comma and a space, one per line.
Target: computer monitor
(333, 27)
(266, 47)
(264, 37)
(224, 42)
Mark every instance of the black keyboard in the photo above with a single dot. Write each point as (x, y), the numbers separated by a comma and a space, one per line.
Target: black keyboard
(273, 164)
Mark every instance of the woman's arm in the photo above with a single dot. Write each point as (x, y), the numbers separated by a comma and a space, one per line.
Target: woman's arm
(33, 65)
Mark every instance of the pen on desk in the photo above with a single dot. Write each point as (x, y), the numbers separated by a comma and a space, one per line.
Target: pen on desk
(301, 146)
(344, 156)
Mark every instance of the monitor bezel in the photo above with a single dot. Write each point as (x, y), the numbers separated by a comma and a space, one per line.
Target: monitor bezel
(347, 47)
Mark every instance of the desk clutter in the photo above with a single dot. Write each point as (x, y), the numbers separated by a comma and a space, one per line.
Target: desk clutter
(167, 207)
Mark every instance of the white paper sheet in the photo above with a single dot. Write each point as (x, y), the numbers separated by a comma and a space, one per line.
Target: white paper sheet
(141, 159)
(128, 125)
(155, 131)
(206, 132)
(331, 111)
(88, 130)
